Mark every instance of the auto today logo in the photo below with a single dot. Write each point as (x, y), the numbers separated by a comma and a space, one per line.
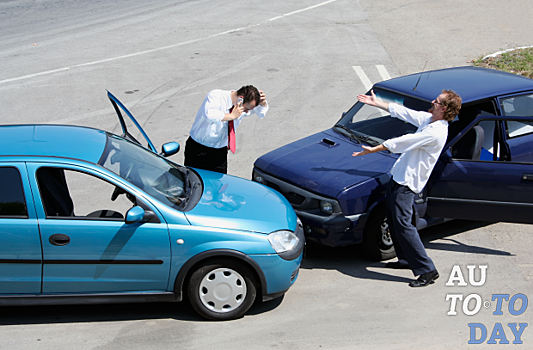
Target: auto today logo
(500, 304)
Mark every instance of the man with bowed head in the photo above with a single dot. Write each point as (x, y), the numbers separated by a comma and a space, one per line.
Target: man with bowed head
(213, 130)
(419, 154)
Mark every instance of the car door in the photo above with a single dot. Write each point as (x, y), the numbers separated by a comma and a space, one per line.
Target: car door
(87, 246)
(496, 186)
(20, 248)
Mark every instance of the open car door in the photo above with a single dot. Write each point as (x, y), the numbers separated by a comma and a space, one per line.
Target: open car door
(494, 185)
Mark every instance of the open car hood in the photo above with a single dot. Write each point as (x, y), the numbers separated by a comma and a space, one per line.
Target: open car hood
(126, 134)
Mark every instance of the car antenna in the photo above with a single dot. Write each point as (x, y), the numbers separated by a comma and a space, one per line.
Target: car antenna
(418, 81)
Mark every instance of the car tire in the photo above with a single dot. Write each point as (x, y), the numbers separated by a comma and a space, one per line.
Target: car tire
(377, 241)
(222, 290)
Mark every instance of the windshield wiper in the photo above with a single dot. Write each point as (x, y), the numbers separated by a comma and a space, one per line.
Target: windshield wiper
(351, 135)
(367, 139)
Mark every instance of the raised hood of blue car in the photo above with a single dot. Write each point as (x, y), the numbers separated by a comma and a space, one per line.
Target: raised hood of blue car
(235, 203)
(323, 163)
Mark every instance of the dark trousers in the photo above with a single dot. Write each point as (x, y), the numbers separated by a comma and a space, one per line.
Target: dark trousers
(203, 157)
(407, 243)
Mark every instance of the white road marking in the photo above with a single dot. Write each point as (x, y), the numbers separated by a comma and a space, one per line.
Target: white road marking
(368, 83)
(383, 71)
(364, 78)
(302, 10)
(160, 48)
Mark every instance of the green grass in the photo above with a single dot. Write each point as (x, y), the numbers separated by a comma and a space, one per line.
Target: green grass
(517, 62)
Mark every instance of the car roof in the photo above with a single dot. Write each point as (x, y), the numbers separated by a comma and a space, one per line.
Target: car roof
(52, 141)
(471, 83)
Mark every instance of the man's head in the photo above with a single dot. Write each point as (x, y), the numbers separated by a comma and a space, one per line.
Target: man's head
(447, 105)
(250, 95)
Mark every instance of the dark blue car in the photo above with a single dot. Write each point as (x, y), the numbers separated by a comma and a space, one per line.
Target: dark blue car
(485, 171)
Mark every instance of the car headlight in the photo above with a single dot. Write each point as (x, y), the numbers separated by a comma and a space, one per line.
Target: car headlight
(326, 207)
(258, 178)
(283, 241)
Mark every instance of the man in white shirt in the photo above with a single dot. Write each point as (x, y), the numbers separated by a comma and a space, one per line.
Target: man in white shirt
(214, 128)
(420, 152)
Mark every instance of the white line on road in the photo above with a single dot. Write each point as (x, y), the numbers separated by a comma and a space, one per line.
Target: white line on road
(383, 72)
(366, 81)
(160, 48)
(364, 78)
(302, 10)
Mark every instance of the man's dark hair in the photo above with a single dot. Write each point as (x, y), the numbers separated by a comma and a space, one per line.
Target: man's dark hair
(249, 93)
(453, 104)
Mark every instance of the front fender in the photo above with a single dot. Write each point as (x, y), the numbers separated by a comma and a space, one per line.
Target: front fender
(206, 255)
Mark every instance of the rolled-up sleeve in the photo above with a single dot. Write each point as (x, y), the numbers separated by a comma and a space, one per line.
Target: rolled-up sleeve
(408, 142)
(416, 118)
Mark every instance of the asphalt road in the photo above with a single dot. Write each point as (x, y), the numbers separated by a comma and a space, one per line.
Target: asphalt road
(57, 58)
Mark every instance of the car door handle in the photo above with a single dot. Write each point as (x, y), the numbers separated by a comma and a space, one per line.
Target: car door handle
(59, 239)
(527, 177)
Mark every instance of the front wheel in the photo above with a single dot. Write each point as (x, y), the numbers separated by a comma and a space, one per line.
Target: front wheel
(222, 290)
(377, 240)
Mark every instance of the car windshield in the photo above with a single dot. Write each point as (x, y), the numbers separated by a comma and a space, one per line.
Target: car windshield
(153, 174)
(372, 125)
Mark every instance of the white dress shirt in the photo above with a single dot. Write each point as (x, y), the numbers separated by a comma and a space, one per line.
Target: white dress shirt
(208, 128)
(420, 151)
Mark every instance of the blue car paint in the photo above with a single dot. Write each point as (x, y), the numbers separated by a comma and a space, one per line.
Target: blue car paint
(104, 256)
(21, 246)
(42, 140)
(321, 164)
(223, 205)
(471, 83)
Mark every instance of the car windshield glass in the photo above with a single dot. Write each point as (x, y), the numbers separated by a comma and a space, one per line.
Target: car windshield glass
(372, 125)
(153, 174)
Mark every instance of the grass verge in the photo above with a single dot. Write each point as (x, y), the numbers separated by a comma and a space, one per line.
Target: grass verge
(518, 61)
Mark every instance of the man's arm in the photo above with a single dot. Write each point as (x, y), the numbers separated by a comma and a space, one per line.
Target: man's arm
(368, 150)
(372, 100)
(235, 113)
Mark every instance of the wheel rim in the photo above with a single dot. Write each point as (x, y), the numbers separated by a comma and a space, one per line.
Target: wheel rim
(222, 290)
(386, 240)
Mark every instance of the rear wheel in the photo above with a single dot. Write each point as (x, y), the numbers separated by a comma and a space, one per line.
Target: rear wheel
(377, 240)
(222, 290)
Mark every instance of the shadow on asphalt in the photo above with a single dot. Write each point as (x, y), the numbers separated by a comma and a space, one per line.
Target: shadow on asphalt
(182, 311)
(28, 315)
(350, 260)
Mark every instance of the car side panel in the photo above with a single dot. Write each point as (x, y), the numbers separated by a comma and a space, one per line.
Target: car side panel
(102, 255)
(20, 248)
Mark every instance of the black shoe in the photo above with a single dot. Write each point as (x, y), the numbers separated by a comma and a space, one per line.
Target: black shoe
(425, 279)
(397, 265)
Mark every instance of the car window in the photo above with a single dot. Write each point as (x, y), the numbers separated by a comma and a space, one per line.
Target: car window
(376, 124)
(487, 142)
(12, 201)
(476, 143)
(518, 128)
(75, 194)
(518, 106)
(151, 173)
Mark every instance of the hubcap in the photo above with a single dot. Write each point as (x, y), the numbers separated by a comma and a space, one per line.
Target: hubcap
(222, 290)
(386, 240)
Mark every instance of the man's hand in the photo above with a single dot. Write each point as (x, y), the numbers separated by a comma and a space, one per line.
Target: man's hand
(263, 101)
(237, 111)
(368, 150)
(369, 100)
(372, 100)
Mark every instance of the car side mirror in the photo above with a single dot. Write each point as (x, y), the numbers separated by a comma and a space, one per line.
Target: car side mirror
(134, 215)
(169, 149)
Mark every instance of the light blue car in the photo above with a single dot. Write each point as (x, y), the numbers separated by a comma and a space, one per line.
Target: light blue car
(87, 216)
